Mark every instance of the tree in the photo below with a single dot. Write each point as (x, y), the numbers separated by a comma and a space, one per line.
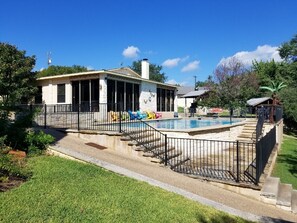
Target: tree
(235, 84)
(288, 70)
(17, 80)
(274, 89)
(288, 50)
(155, 71)
(58, 70)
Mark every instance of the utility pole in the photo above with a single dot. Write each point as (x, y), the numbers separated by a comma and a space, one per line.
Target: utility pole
(49, 59)
(195, 83)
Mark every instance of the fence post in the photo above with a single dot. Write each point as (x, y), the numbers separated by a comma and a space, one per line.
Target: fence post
(120, 121)
(166, 155)
(45, 115)
(78, 108)
(258, 161)
(237, 161)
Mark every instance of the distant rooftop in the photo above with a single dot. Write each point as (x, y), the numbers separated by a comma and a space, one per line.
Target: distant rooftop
(182, 90)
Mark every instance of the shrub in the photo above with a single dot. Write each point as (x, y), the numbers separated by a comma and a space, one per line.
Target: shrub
(10, 167)
(38, 141)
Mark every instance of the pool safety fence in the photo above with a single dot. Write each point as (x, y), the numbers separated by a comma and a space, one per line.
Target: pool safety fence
(233, 161)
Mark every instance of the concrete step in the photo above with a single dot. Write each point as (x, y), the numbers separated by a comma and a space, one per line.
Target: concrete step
(242, 135)
(249, 128)
(137, 134)
(148, 140)
(284, 197)
(156, 146)
(269, 191)
(294, 202)
(170, 155)
(250, 131)
(245, 139)
(162, 151)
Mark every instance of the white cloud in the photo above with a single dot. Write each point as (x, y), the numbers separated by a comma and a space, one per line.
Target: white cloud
(184, 59)
(194, 65)
(262, 53)
(171, 62)
(41, 69)
(131, 52)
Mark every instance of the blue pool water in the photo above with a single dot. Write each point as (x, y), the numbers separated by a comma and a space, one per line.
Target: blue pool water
(188, 123)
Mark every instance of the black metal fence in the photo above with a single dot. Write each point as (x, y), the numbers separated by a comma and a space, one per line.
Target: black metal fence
(221, 160)
(264, 148)
(233, 161)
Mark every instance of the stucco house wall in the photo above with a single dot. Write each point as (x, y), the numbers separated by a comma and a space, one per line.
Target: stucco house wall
(148, 99)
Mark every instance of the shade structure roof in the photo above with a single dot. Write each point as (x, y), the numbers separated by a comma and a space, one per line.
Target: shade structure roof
(257, 101)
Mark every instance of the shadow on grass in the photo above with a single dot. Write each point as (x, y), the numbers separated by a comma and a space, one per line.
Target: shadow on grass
(227, 219)
(216, 219)
(290, 160)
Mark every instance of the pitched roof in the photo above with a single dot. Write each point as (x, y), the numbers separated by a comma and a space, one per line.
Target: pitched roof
(126, 71)
(182, 90)
(195, 94)
(120, 72)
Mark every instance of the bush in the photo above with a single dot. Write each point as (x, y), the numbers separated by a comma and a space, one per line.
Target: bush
(10, 167)
(37, 142)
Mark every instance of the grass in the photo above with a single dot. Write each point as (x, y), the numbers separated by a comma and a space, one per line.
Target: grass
(286, 163)
(67, 191)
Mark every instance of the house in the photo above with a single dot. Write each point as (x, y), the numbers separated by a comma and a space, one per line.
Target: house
(181, 91)
(115, 87)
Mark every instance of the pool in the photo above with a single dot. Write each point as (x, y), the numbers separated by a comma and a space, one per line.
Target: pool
(189, 123)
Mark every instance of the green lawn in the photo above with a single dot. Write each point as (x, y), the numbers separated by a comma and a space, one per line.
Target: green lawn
(68, 191)
(286, 163)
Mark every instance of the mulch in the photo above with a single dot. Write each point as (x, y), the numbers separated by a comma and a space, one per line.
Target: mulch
(12, 182)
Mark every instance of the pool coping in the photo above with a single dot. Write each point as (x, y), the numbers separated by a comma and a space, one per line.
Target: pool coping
(218, 128)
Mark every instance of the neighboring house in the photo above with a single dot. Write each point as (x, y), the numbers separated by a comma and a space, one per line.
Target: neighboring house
(181, 91)
(121, 85)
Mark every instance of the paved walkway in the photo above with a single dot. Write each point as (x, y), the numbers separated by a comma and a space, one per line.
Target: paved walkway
(157, 175)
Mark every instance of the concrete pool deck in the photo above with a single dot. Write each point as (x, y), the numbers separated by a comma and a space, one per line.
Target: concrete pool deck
(158, 175)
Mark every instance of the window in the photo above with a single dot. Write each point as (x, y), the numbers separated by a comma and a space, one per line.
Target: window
(38, 97)
(61, 93)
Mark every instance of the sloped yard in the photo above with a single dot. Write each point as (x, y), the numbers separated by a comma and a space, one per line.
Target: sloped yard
(67, 191)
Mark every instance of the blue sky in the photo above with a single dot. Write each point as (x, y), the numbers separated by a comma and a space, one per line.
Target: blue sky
(186, 37)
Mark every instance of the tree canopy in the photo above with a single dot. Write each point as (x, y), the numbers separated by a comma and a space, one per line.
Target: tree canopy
(234, 83)
(58, 70)
(288, 50)
(282, 74)
(156, 73)
(17, 80)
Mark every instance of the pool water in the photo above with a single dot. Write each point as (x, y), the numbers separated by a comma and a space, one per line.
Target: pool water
(188, 123)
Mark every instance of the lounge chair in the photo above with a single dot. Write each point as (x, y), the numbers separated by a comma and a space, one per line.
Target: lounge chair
(141, 115)
(132, 116)
(114, 116)
(150, 115)
(125, 116)
(158, 115)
